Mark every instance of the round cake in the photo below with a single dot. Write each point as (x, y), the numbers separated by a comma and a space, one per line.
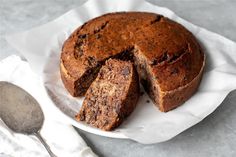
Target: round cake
(167, 57)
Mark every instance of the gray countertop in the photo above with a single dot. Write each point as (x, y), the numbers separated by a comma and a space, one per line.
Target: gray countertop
(214, 136)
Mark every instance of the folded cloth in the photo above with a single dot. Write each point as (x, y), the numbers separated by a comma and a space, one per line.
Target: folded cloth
(62, 138)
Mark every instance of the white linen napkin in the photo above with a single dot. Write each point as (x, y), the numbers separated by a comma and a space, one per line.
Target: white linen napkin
(62, 138)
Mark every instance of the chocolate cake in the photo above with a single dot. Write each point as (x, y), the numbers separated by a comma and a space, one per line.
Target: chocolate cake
(168, 58)
(112, 96)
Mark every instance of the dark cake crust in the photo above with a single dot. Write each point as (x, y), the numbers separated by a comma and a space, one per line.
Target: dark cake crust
(167, 56)
(112, 96)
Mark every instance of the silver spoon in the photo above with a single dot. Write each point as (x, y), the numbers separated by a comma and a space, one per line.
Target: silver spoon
(21, 112)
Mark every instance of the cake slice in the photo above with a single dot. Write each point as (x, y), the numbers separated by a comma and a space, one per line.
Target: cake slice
(112, 96)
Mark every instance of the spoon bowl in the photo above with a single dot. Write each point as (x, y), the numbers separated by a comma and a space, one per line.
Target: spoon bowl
(21, 112)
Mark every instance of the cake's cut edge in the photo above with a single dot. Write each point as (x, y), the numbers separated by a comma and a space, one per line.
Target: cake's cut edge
(112, 97)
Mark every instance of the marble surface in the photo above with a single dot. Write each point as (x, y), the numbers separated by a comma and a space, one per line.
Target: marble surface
(214, 136)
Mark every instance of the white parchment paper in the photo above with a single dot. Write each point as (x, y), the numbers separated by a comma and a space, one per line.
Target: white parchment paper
(41, 47)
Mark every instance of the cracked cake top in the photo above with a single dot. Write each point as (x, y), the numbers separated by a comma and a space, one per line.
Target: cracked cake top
(171, 52)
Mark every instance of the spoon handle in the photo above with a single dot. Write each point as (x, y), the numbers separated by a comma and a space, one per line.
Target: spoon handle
(37, 134)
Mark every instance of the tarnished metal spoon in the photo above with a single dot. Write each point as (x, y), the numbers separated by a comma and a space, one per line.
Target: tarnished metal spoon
(21, 112)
